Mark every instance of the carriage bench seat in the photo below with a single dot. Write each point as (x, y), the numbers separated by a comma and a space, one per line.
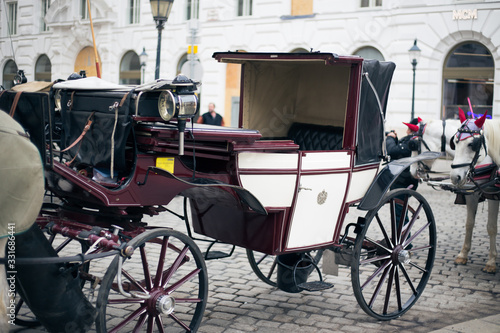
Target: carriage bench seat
(316, 137)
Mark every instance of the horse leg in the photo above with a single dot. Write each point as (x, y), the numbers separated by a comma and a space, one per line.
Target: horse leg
(491, 227)
(471, 202)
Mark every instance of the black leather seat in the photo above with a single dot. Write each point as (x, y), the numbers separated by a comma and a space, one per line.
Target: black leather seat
(316, 137)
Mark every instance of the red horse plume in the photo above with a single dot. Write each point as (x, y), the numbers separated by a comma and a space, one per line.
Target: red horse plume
(480, 122)
(461, 115)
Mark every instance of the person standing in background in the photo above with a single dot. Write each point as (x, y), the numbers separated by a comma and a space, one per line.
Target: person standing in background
(211, 117)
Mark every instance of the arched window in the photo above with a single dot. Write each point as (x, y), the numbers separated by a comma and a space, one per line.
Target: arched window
(369, 52)
(43, 69)
(9, 71)
(130, 69)
(85, 61)
(299, 50)
(468, 74)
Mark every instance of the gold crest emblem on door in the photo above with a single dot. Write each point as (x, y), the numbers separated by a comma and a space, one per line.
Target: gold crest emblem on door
(322, 197)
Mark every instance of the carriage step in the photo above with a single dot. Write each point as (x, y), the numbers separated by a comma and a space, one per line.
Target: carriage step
(315, 285)
(216, 255)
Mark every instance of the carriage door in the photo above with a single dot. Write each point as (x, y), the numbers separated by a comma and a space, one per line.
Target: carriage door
(320, 196)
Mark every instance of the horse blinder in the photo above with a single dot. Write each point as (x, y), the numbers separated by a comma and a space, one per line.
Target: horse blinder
(476, 144)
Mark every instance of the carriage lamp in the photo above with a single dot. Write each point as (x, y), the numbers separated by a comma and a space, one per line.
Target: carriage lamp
(160, 10)
(414, 53)
(172, 105)
(182, 104)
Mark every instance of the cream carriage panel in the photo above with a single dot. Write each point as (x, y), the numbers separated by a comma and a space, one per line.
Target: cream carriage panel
(317, 210)
(264, 180)
(325, 161)
(360, 182)
(267, 161)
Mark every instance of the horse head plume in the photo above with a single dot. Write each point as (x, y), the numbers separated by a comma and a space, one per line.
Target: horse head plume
(480, 122)
(461, 115)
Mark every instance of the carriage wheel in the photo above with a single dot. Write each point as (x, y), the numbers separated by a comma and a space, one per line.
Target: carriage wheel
(265, 266)
(168, 272)
(23, 315)
(393, 257)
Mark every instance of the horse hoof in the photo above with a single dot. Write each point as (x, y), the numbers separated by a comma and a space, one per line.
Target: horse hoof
(489, 269)
(461, 261)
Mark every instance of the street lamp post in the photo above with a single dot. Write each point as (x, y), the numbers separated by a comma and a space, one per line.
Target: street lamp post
(143, 57)
(161, 10)
(414, 53)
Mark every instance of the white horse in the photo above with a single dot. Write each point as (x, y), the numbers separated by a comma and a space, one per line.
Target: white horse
(473, 142)
(435, 135)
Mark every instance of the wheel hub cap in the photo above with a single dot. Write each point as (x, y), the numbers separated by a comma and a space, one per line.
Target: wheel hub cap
(165, 304)
(404, 257)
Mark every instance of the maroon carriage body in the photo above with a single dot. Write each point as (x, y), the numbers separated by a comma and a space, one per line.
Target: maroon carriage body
(305, 149)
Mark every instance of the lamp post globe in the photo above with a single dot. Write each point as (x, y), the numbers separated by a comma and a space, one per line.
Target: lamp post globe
(160, 10)
(414, 53)
(143, 57)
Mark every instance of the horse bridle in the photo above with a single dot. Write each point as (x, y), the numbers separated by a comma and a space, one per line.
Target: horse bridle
(477, 142)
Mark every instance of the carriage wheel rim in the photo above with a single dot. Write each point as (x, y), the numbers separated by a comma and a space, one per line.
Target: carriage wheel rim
(391, 270)
(162, 302)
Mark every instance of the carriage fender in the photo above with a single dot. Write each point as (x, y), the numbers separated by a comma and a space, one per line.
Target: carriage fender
(206, 183)
(388, 175)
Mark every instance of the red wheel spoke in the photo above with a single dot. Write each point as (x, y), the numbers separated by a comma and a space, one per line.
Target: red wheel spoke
(145, 267)
(407, 277)
(409, 240)
(393, 222)
(402, 218)
(188, 300)
(161, 262)
(179, 283)
(420, 248)
(140, 322)
(418, 267)
(371, 277)
(125, 300)
(384, 232)
(388, 291)
(261, 259)
(159, 324)
(134, 281)
(175, 265)
(407, 227)
(379, 285)
(150, 324)
(398, 289)
(127, 320)
(377, 243)
(271, 271)
(374, 259)
(178, 321)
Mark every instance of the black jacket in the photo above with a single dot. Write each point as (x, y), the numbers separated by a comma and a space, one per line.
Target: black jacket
(398, 149)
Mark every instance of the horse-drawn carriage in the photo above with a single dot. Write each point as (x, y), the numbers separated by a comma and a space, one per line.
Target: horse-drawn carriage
(306, 153)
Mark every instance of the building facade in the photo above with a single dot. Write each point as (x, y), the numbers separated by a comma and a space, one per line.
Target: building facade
(459, 42)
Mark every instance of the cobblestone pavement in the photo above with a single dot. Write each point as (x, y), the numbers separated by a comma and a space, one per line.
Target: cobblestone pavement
(240, 302)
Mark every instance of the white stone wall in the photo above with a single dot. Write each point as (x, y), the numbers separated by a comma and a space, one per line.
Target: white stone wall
(336, 26)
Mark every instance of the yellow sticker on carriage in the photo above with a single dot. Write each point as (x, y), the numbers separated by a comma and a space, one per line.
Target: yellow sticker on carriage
(166, 163)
